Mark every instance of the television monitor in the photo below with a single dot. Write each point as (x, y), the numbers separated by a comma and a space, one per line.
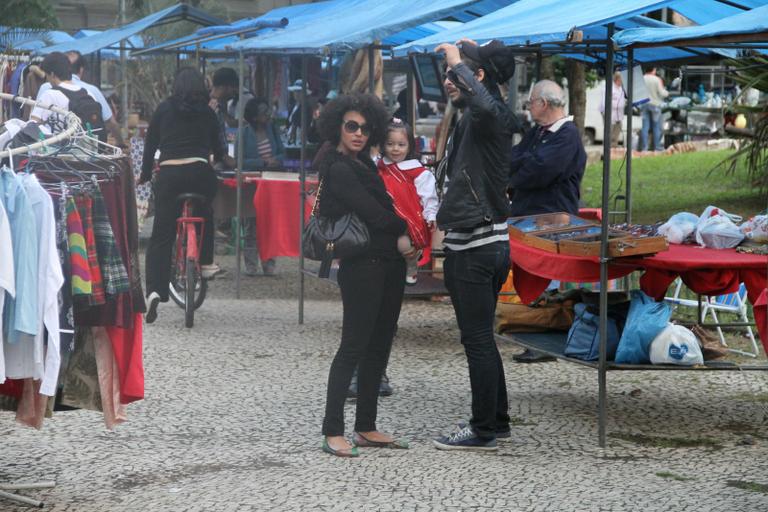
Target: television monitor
(426, 69)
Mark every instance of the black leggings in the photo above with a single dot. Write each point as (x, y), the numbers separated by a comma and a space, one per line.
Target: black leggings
(372, 293)
(171, 181)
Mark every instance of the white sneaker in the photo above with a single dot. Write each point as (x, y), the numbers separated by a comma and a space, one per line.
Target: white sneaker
(410, 280)
(153, 299)
(208, 271)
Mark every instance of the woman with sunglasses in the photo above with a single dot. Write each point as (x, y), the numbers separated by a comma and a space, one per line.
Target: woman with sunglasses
(371, 284)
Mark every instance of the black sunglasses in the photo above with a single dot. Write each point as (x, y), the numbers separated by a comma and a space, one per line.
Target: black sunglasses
(452, 76)
(353, 126)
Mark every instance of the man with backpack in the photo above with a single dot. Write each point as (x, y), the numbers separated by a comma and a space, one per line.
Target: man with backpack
(67, 95)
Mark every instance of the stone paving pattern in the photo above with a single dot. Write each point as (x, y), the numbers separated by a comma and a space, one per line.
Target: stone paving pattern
(232, 418)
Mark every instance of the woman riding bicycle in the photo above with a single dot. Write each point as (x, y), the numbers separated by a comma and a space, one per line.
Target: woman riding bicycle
(186, 131)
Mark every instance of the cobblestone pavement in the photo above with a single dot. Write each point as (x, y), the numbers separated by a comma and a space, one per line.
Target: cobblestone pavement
(233, 410)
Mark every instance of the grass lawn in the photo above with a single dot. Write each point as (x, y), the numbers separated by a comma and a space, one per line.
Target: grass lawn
(666, 184)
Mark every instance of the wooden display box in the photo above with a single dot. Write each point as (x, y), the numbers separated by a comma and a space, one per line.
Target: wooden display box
(568, 234)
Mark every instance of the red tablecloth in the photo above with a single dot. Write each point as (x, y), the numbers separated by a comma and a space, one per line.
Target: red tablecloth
(277, 217)
(705, 271)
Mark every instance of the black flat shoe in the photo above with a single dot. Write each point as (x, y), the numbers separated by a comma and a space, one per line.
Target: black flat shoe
(532, 356)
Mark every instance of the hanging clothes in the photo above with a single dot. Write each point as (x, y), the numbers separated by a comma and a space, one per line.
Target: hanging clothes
(84, 208)
(78, 252)
(20, 311)
(28, 357)
(7, 276)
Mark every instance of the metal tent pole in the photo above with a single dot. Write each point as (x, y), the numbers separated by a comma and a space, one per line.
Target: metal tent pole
(24, 486)
(628, 136)
(603, 363)
(371, 70)
(302, 184)
(537, 69)
(239, 174)
(124, 71)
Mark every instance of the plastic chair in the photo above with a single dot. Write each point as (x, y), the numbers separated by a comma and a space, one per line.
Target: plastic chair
(735, 303)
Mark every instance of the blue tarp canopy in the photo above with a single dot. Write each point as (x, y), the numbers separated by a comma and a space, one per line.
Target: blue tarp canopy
(419, 32)
(31, 39)
(516, 25)
(531, 22)
(748, 26)
(112, 37)
(297, 15)
(353, 24)
(294, 14)
(707, 11)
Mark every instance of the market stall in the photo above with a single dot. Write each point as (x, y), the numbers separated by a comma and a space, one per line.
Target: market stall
(359, 25)
(582, 29)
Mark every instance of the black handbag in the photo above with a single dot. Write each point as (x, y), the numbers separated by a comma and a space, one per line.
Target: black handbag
(325, 238)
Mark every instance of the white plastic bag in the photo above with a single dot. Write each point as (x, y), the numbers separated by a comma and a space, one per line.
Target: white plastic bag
(756, 228)
(679, 227)
(711, 211)
(716, 229)
(676, 345)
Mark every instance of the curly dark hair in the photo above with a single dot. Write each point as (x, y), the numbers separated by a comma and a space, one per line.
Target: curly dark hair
(369, 106)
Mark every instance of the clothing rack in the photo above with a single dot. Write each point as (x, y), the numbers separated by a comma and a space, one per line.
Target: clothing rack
(73, 129)
(15, 57)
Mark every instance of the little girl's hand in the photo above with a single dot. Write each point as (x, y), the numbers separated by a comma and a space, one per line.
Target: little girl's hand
(432, 226)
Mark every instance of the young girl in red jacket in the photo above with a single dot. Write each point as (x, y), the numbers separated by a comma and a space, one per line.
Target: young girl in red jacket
(413, 193)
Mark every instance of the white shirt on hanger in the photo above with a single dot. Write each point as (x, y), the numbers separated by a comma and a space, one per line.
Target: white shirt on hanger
(28, 357)
(7, 278)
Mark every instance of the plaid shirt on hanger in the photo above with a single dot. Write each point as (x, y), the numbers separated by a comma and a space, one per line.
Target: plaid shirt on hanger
(114, 273)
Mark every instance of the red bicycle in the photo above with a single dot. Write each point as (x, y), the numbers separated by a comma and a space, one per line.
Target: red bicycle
(187, 287)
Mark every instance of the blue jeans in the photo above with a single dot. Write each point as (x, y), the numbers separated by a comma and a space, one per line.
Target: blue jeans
(473, 278)
(651, 121)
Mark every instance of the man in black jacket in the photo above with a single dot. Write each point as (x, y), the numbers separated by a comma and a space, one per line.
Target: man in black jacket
(547, 166)
(473, 214)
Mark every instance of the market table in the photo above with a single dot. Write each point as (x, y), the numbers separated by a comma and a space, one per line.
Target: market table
(278, 224)
(705, 271)
(275, 204)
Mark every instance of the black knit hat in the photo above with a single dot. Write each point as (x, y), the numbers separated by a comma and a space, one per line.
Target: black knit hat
(497, 59)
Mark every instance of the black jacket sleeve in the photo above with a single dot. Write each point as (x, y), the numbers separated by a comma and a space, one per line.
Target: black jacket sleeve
(217, 142)
(346, 187)
(485, 109)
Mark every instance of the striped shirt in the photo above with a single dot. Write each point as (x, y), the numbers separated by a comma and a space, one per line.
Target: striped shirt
(265, 149)
(469, 238)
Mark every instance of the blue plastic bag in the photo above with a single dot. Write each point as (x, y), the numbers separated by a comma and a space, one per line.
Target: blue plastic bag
(583, 340)
(646, 319)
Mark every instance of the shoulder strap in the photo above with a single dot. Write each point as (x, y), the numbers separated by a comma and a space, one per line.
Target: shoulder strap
(317, 198)
(68, 92)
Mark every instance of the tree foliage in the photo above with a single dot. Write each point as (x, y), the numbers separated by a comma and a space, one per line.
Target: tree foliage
(752, 72)
(25, 19)
(32, 14)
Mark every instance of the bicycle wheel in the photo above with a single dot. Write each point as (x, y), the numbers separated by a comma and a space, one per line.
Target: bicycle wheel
(189, 295)
(177, 288)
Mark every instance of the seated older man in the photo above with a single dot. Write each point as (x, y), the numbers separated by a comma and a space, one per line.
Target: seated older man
(547, 165)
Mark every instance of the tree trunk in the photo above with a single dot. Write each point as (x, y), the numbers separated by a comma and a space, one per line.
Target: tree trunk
(547, 71)
(577, 92)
